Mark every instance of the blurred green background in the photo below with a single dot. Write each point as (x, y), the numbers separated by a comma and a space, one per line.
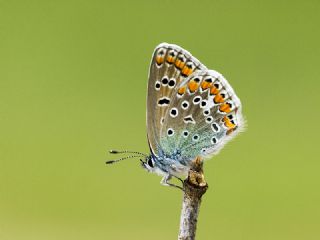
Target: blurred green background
(73, 78)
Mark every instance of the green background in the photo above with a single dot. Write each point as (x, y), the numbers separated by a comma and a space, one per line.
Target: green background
(73, 78)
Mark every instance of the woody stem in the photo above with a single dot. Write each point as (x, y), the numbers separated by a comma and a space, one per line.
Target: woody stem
(194, 187)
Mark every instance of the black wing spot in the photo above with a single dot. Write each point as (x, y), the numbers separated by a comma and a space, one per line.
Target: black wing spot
(164, 80)
(197, 80)
(174, 112)
(164, 101)
(209, 119)
(172, 83)
(197, 99)
(170, 132)
(208, 80)
(189, 119)
(214, 140)
(185, 104)
(158, 85)
(215, 127)
(195, 138)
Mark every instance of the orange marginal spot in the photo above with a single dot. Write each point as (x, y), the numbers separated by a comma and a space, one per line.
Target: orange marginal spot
(225, 107)
(182, 90)
(170, 59)
(186, 71)
(214, 90)
(159, 60)
(228, 123)
(218, 98)
(193, 86)
(179, 64)
(205, 85)
(231, 130)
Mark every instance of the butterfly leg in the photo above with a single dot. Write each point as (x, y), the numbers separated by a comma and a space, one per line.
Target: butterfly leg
(178, 179)
(165, 182)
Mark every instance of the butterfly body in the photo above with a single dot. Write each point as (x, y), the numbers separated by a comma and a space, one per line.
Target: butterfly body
(192, 112)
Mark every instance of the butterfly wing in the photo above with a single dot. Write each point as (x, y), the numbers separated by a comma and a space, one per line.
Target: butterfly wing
(202, 118)
(170, 65)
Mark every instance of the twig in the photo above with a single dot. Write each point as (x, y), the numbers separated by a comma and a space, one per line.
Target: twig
(194, 187)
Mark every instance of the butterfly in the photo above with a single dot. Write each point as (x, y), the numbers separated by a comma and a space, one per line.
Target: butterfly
(192, 112)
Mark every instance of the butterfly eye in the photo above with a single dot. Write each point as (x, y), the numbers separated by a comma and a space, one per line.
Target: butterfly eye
(150, 162)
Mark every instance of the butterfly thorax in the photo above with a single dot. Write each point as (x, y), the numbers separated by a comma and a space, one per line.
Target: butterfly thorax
(164, 164)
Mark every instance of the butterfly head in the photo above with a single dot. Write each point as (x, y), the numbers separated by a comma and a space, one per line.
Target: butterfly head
(148, 163)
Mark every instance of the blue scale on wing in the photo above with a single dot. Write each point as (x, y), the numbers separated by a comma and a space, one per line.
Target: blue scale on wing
(196, 132)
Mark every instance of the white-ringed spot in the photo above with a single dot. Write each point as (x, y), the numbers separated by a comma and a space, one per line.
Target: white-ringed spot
(196, 100)
(174, 112)
(185, 105)
(170, 132)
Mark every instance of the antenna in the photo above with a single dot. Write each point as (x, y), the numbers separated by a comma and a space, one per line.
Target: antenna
(127, 151)
(120, 159)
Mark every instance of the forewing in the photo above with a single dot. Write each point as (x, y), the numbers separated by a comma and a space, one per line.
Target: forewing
(203, 115)
(170, 65)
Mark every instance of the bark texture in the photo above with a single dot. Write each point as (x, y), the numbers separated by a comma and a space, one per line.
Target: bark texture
(194, 187)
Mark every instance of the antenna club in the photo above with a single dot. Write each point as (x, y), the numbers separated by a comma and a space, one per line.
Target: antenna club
(110, 162)
(113, 151)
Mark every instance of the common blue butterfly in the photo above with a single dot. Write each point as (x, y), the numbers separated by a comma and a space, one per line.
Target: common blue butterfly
(192, 112)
